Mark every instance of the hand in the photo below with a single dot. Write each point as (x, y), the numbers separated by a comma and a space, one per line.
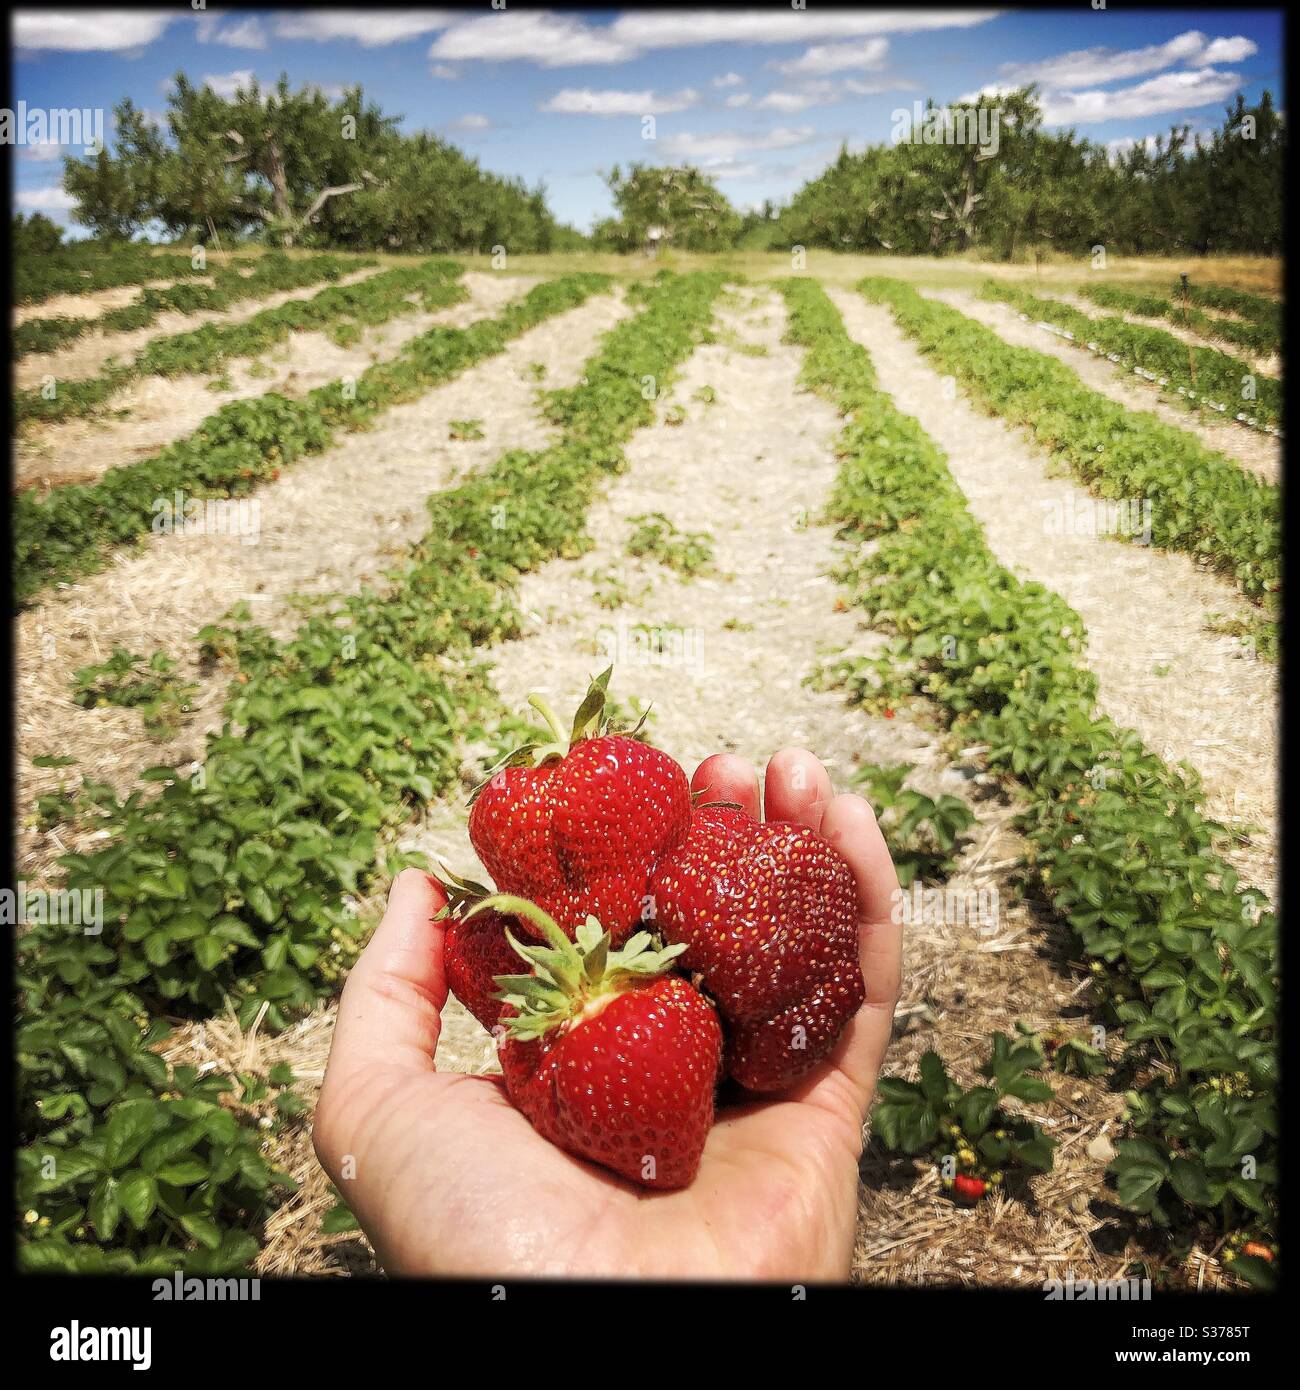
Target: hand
(448, 1178)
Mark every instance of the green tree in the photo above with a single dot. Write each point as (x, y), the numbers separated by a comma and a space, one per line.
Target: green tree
(684, 204)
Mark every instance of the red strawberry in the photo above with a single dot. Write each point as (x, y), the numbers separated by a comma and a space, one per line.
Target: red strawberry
(475, 952)
(475, 948)
(968, 1188)
(768, 914)
(578, 830)
(608, 1057)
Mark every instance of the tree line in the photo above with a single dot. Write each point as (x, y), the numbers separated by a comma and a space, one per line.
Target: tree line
(296, 167)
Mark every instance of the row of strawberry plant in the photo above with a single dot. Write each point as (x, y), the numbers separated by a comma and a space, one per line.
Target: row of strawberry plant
(90, 266)
(1201, 501)
(271, 274)
(71, 531)
(1256, 337)
(1258, 308)
(238, 882)
(1184, 957)
(1204, 376)
(206, 349)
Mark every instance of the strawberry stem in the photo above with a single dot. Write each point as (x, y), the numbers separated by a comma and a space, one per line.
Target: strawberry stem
(552, 720)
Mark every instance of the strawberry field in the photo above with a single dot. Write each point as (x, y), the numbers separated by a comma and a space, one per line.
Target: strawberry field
(286, 577)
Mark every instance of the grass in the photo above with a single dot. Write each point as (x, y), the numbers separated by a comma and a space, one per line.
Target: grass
(1258, 273)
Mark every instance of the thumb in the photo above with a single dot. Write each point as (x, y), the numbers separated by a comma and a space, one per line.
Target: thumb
(390, 1008)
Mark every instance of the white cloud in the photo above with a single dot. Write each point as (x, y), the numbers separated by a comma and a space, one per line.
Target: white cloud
(1087, 67)
(729, 79)
(226, 84)
(370, 28)
(827, 93)
(444, 71)
(45, 152)
(88, 31)
(991, 89)
(837, 57)
(51, 199)
(682, 29)
(722, 147)
(551, 40)
(1228, 51)
(1116, 148)
(885, 84)
(1171, 91)
(472, 120)
(556, 40)
(739, 99)
(242, 33)
(732, 170)
(585, 101)
(824, 94)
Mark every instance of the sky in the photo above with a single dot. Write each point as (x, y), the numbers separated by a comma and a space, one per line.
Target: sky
(760, 99)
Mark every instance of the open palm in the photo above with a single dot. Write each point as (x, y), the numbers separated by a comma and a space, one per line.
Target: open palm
(448, 1178)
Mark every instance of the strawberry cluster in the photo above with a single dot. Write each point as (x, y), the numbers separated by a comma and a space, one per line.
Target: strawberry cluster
(666, 946)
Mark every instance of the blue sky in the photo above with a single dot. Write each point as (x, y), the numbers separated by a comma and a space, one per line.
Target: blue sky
(761, 99)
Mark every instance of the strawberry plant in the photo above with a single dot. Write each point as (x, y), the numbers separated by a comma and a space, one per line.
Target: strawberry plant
(130, 682)
(206, 349)
(71, 531)
(48, 335)
(1261, 337)
(689, 553)
(87, 266)
(271, 273)
(922, 832)
(237, 884)
(968, 1132)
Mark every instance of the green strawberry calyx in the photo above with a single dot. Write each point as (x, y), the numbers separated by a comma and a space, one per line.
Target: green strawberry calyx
(591, 720)
(570, 980)
(462, 893)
